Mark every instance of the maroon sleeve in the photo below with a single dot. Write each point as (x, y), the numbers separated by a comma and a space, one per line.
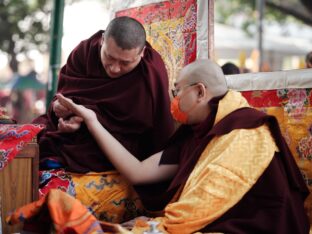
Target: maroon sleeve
(172, 151)
(156, 75)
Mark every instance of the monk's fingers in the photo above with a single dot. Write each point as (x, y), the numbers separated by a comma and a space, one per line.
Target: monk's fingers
(70, 125)
(61, 124)
(64, 101)
(77, 119)
(67, 102)
(79, 110)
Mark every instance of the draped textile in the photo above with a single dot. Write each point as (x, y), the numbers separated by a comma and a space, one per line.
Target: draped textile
(13, 138)
(293, 109)
(134, 108)
(171, 28)
(57, 211)
(107, 195)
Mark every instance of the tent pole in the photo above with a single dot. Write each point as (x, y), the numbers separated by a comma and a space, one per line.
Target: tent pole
(211, 29)
(55, 49)
(260, 9)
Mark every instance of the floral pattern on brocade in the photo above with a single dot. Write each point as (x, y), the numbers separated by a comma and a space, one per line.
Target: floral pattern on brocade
(171, 30)
(13, 138)
(293, 109)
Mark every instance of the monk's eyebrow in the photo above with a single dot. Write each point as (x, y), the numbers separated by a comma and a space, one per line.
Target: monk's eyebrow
(111, 57)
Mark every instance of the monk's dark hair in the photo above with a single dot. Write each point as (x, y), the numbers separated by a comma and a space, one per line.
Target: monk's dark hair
(127, 32)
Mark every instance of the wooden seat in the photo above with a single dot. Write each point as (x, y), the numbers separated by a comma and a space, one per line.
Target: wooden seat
(19, 182)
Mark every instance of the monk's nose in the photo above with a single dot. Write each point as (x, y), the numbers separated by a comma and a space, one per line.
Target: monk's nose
(115, 68)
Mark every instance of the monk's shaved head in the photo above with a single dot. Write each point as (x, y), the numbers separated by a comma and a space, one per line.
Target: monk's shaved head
(127, 32)
(206, 72)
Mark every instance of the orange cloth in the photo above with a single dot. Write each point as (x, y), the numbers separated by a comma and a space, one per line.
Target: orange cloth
(67, 214)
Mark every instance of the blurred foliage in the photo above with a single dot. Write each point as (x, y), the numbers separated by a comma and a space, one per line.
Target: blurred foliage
(245, 11)
(24, 26)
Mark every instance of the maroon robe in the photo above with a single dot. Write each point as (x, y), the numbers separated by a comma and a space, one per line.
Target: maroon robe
(275, 204)
(134, 108)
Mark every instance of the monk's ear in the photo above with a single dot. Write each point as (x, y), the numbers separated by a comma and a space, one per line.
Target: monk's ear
(102, 40)
(142, 52)
(202, 91)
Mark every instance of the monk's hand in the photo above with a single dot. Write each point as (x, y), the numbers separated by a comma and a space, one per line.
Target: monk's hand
(70, 125)
(60, 110)
(86, 114)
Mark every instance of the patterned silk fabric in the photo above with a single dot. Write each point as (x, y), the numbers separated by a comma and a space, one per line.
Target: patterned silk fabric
(171, 30)
(293, 110)
(13, 138)
(107, 195)
(110, 197)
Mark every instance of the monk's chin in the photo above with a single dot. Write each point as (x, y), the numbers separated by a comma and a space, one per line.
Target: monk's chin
(113, 76)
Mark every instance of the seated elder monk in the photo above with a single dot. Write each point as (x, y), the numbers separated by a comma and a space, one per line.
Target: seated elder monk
(118, 75)
(227, 168)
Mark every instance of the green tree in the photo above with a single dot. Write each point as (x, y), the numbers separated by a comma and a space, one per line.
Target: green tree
(299, 9)
(282, 11)
(24, 26)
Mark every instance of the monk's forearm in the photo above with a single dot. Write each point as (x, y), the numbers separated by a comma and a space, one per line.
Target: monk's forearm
(120, 157)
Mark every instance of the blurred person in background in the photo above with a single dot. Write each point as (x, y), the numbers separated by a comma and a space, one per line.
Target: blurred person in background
(230, 69)
(308, 60)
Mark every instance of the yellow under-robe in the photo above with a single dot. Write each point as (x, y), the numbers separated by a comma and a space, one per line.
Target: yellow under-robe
(226, 170)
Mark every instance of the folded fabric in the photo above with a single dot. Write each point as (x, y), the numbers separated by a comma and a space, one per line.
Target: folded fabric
(57, 211)
(107, 195)
(13, 138)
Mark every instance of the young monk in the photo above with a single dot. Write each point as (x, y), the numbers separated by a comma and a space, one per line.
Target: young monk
(227, 168)
(106, 72)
